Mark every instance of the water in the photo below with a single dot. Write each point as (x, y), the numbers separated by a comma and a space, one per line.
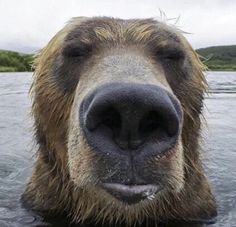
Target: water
(220, 143)
(16, 158)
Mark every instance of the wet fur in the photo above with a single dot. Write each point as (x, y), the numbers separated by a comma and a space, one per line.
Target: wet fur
(51, 189)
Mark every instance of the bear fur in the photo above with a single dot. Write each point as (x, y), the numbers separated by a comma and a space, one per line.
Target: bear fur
(57, 185)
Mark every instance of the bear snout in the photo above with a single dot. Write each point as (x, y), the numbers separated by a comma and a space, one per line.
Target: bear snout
(130, 124)
(124, 117)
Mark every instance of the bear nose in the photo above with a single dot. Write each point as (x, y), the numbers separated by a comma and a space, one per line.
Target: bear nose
(131, 116)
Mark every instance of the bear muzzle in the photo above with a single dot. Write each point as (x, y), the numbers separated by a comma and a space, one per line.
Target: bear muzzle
(130, 123)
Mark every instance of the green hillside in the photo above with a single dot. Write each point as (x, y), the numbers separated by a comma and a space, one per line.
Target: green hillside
(15, 62)
(219, 57)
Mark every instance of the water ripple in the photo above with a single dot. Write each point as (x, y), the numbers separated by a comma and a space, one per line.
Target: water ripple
(16, 158)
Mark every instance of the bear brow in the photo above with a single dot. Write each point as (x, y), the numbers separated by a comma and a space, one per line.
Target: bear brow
(110, 31)
(169, 47)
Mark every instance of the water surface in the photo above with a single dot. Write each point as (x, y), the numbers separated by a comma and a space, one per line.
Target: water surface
(16, 155)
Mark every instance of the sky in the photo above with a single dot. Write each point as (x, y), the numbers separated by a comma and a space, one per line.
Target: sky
(28, 25)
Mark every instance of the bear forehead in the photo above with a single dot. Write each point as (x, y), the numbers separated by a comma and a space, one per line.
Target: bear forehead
(103, 30)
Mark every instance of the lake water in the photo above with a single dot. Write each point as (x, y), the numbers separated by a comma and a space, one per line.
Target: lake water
(16, 156)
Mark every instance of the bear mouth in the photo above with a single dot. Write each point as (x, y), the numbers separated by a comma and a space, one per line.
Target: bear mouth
(131, 194)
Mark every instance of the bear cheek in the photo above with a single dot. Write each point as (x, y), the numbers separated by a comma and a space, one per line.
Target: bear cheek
(171, 167)
(79, 155)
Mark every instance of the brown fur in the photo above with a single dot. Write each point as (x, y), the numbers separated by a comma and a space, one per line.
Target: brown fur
(51, 188)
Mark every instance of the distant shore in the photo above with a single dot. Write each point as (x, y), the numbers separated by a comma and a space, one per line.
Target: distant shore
(11, 61)
(216, 58)
(219, 58)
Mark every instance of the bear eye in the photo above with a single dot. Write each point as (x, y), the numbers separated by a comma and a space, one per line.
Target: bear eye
(73, 51)
(170, 54)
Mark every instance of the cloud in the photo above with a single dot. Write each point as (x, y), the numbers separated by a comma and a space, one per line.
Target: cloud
(28, 25)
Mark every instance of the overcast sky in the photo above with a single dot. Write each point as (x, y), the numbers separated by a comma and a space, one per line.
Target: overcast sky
(27, 25)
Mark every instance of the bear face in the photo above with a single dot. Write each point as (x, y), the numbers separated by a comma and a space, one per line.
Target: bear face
(117, 107)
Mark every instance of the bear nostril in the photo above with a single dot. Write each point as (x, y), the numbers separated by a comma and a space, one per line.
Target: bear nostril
(107, 117)
(154, 123)
(111, 118)
(150, 122)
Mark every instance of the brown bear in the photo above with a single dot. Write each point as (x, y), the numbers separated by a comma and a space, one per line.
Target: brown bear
(117, 110)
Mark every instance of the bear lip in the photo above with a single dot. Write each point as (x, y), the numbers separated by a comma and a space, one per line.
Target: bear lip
(131, 194)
